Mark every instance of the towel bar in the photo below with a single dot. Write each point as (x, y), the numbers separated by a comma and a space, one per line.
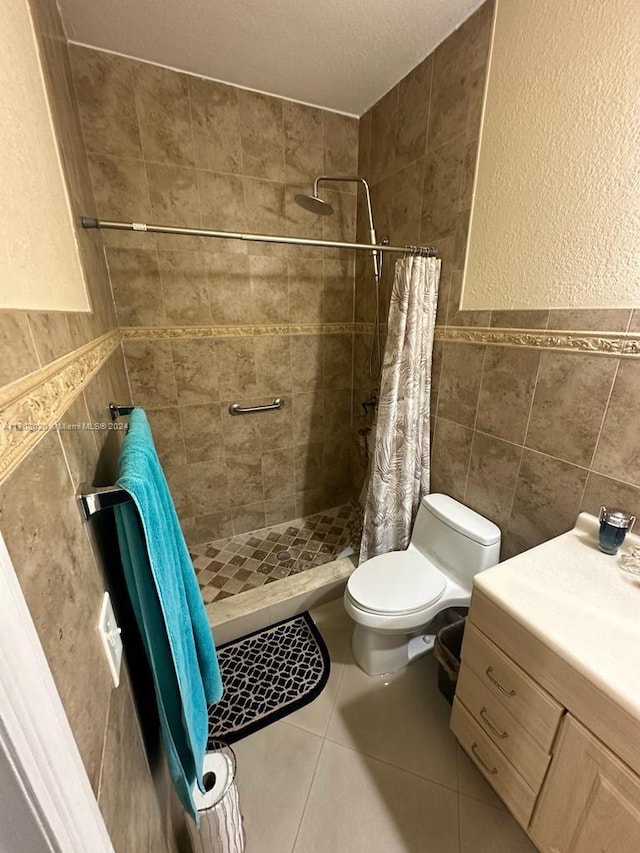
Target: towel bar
(93, 498)
(118, 411)
(237, 409)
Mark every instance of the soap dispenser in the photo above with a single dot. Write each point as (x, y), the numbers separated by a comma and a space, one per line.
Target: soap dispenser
(614, 526)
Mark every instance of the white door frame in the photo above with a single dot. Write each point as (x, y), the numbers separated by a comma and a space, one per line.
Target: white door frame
(35, 735)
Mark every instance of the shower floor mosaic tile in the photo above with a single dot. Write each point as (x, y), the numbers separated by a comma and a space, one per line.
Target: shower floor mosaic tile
(239, 563)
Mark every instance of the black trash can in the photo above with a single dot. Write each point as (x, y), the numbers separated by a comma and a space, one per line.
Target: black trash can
(446, 651)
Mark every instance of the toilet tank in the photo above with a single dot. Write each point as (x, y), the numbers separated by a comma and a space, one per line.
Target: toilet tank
(458, 540)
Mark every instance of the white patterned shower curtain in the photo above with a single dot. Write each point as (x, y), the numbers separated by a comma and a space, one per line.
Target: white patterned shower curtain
(399, 469)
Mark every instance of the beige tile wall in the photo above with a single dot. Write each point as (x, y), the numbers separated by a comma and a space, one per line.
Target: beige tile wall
(63, 575)
(59, 566)
(528, 438)
(523, 436)
(182, 150)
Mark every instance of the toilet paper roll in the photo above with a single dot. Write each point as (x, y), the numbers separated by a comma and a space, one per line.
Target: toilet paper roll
(221, 828)
(218, 766)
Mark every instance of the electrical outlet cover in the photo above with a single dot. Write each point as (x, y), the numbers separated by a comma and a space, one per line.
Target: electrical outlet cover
(110, 636)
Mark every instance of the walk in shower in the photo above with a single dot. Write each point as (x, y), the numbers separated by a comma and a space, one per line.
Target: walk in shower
(229, 293)
(250, 560)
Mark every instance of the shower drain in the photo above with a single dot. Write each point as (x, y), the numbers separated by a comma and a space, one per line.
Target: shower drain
(283, 555)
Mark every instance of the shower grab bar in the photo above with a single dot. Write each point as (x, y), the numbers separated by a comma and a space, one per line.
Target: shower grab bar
(237, 409)
(91, 499)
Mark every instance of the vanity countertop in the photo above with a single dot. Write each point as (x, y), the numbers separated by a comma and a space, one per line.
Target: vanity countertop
(580, 603)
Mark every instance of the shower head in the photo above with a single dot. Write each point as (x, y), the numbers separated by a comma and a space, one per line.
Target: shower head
(314, 204)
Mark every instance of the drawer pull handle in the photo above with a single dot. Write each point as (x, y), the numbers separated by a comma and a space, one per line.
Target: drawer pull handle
(495, 681)
(490, 726)
(474, 750)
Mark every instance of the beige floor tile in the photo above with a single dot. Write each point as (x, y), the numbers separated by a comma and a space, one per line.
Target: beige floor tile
(359, 805)
(335, 627)
(472, 783)
(371, 785)
(484, 829)
(315, 716)
(404, 722)
(275, 770)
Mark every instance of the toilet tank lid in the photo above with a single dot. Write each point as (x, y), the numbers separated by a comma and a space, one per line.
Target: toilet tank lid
(459, 517)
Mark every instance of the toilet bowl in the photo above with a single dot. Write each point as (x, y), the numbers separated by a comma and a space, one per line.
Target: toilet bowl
(395, 598)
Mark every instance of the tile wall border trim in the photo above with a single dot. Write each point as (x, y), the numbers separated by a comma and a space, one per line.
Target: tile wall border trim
(368, 328)
(161, 333)
(616, 344)
(41, 398)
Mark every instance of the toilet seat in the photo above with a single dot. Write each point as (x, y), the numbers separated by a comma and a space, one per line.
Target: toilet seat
(401, 582)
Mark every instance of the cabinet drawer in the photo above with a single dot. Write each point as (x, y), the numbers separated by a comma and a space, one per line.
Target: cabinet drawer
(499, 772)
(526, 754)
(533, 707)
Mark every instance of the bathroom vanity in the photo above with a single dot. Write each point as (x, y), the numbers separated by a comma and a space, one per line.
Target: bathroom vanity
(547, 704)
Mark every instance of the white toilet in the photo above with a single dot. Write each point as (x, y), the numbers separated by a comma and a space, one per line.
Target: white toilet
(395, 598)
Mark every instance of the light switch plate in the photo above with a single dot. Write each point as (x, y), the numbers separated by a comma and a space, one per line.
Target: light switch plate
(110, 636)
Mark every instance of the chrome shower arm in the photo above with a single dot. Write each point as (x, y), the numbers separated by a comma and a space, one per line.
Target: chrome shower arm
(356, 179)
(349, 179)
(315, 204)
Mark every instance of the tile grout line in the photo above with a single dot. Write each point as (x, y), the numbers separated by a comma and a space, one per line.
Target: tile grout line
(482, 373)
(533, 399)
(307, 798)
(435, 413)
(33, 341)
(87, 155)
(155, 242)
(600, 431)
(518, 446)
(489, 434)
(429, 115)
(526, 430)
(335, 701)
(473, 429)
(389, 764)
(98, 791)
(193, 137)
(126, 366)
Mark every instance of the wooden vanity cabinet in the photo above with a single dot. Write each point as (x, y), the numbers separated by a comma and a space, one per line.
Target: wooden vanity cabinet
(590, 801)
(569, 790)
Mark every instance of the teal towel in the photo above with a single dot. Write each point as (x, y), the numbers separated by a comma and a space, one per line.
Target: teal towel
(169, 609)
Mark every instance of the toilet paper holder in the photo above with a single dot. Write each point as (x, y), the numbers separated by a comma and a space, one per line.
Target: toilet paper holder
(219, 807)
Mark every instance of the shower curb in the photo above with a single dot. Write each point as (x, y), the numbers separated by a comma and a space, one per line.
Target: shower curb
(256, 608)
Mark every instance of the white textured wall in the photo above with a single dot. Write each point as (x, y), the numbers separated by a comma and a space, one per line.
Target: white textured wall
(556, 212)
(39, 263)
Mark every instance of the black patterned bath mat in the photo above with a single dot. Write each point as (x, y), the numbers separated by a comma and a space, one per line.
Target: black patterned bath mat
(267, 675)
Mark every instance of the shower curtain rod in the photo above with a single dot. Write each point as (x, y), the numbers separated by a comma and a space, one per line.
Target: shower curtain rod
(89, 222)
